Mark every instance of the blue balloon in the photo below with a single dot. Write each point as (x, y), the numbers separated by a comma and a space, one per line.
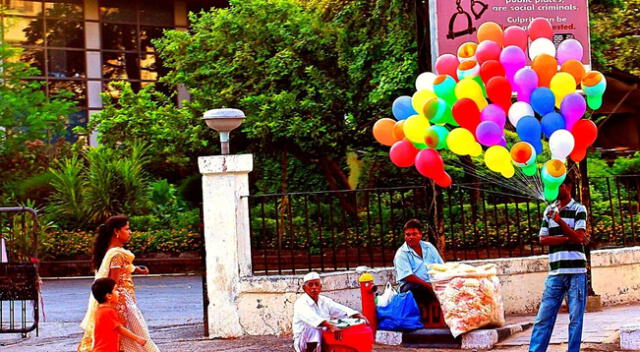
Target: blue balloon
(542, 100)
(552, 122)
(530, 131)
(402, 108)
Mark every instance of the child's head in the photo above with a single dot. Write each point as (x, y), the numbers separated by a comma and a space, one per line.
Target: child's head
(102, 290)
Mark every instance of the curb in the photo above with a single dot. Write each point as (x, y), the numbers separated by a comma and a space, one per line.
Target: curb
(53, 278)
(486, 339)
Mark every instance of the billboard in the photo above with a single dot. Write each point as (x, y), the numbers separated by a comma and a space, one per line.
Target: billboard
(453, 22)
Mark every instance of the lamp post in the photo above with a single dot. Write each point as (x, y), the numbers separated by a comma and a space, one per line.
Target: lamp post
(224, 121)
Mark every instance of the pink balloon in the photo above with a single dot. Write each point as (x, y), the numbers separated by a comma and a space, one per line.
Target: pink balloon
(512, 59)
(515, 35)
(403, 153)
(447, 64)
(494, 113)
(429, 164)
(540, 28)
(569, 49)
(525, 82)
(487, 50)
(489, 133)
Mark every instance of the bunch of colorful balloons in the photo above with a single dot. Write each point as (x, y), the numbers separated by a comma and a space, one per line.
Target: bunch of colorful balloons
(513, 75)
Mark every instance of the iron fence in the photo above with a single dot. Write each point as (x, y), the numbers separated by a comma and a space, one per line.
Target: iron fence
(339, 230)
(19, 280)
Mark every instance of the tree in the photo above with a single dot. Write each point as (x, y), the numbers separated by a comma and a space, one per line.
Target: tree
(175, 136)
(615, 34)
(311, 82)
(26, 114)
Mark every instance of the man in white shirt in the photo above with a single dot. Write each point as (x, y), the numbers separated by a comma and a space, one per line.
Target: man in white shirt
(311, 314)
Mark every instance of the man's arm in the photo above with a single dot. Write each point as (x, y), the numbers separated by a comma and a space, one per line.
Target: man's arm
(414, 279)
(553, 240)
(578, 236)
(127, 333)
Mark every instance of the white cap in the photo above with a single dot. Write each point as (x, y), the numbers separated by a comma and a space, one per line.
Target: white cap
(311, 276)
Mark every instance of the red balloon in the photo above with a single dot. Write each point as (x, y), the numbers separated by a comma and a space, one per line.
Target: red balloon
(515, 35)
(447, 64)
(466, 113)
(490, 69)
(540, 28)
(584, 133)
(488, 50)
(499, 92)
(429, 164)
(403, 153)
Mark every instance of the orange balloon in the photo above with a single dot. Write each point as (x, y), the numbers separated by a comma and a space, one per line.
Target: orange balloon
(521, 152)
(398, 132)
(383, 131)
(555, 168)
(490, 31)
(574, 68)
(546, 66)
(467, 50)
(592, 78)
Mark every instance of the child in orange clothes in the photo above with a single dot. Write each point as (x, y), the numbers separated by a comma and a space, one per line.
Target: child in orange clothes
(108, 326)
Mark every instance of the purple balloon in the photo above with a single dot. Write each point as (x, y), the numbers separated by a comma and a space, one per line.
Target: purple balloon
(503, 142)
(525, 81)
(494, 113)
(488, 133)
(569, 49)
(572, 108)
(512, 59)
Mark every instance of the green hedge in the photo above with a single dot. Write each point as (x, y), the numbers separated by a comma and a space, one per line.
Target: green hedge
(66, 244)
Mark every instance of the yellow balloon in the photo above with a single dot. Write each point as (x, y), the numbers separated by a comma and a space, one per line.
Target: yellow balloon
(415, 128)
(508, 172)
(562, 83)
(498, 159)
(469, 88)
(420, 98)
(460, 141)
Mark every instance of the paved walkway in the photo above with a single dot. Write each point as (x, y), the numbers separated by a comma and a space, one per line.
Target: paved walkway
(173, 309)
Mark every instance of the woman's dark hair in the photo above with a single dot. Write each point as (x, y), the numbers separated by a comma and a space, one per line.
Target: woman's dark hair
(104, 236)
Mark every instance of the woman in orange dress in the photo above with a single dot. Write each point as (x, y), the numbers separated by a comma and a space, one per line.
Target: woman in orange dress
(111, 260)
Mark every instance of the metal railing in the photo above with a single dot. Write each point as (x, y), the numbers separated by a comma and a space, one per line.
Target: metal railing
(339, 230)
(19, 280)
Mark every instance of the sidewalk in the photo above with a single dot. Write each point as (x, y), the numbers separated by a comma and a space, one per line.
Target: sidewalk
(173, 309)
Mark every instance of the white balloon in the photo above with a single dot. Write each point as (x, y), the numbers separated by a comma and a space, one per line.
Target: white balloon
(541, 46)
(425, 81)
(519, 110)
(561, 144)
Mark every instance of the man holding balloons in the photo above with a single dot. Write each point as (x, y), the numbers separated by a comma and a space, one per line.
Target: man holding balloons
(564, 231)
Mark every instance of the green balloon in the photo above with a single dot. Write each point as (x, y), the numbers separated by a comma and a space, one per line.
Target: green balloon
(551, 193)
(440, 113)
(445, 89)
(550, 181)
(442, 132)
(420, 145)
(530, 170)
(481, 84)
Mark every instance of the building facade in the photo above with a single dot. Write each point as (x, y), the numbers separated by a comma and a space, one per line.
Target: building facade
(84, 45)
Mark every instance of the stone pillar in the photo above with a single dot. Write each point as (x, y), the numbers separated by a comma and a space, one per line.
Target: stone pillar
(225, 185)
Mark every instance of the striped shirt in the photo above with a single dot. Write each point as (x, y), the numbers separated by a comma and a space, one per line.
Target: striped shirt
(568, 258)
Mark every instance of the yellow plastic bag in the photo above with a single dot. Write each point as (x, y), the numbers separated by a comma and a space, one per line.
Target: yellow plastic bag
(470, 296)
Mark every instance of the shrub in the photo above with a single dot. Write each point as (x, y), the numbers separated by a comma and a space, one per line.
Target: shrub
(64, 244)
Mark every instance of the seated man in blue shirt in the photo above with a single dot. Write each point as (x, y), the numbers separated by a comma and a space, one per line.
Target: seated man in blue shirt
(411, 262)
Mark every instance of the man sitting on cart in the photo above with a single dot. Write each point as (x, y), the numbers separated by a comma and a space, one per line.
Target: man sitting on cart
(411, 261)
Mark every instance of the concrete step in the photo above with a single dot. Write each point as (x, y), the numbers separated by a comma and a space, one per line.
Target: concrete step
(430, 338)
(484, 339)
